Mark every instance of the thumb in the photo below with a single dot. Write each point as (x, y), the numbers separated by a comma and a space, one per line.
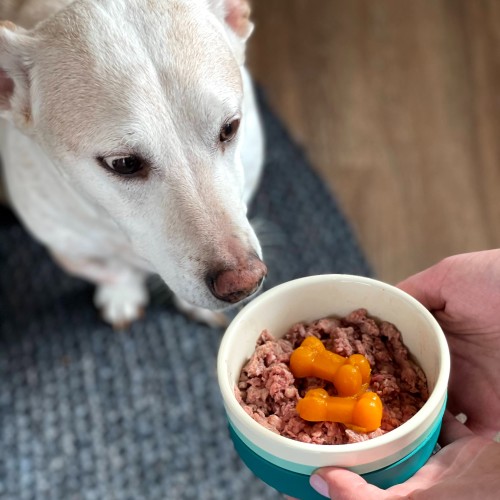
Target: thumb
(452, 430)
(426, 288)
(341, 484)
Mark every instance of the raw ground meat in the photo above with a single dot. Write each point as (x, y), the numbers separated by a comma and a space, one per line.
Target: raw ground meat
(268, 391)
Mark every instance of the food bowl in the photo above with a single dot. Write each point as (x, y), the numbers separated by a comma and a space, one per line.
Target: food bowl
(286, 464)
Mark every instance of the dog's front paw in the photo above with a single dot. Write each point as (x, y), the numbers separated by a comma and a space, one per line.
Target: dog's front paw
(215, 319)
(121, 303)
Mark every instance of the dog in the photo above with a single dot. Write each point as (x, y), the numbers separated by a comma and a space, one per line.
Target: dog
(131, 145)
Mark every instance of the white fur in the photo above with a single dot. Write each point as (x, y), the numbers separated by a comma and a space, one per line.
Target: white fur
(113, 77)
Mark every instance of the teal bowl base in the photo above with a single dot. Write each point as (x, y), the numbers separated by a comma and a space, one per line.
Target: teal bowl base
(297, 485)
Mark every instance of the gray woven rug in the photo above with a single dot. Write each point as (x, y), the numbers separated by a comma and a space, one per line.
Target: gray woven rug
(90, 414)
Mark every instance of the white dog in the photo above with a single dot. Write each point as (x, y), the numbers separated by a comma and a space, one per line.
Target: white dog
(131, 145)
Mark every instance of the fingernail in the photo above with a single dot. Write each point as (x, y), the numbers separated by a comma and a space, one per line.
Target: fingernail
(319, 484)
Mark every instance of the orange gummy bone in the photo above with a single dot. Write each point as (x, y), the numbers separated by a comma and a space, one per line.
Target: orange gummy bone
(363, 413)
(349, 375)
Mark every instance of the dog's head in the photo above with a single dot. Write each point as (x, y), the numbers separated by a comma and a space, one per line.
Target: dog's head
(138, 104)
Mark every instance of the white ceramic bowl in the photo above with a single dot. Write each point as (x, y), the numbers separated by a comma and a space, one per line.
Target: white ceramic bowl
(286, 464)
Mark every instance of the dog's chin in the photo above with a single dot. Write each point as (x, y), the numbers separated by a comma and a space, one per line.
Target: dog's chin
(208, 301)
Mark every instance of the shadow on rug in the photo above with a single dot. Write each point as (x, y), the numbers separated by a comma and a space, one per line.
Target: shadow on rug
(87, 413)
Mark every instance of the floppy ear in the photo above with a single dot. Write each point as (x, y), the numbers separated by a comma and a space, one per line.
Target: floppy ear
(235, 14)
(14, 74)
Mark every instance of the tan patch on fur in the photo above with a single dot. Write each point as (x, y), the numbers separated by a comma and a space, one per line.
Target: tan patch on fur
(27, 116)
(8, 25)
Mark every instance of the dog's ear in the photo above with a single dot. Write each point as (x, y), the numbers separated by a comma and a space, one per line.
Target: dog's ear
(236, 16)
(14, 74)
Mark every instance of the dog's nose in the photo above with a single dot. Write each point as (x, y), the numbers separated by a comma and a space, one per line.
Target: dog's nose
(233, 285)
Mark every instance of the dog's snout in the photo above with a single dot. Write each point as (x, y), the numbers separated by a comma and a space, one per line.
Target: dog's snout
(235, 284)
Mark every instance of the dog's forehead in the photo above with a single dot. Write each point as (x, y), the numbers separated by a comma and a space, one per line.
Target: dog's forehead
(119, 33)
(108, 55)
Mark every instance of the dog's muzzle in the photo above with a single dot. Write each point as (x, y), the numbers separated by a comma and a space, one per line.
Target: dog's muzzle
(234, 285)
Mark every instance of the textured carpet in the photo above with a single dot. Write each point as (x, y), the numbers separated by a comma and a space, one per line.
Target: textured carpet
(90, 414)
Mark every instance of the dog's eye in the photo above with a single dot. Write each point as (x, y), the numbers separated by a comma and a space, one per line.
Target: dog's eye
(228, 130)
(124, 165)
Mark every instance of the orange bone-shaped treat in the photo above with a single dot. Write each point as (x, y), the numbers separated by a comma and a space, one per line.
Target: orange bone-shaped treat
(349, 375)
(363, 414)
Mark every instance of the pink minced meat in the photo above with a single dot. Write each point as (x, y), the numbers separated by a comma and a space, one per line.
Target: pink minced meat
(268, 391)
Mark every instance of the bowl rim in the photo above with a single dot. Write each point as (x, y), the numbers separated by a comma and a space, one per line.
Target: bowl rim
(237, 413)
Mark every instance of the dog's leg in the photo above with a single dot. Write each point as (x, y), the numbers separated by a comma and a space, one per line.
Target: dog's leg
(121, 294)
(122, 302)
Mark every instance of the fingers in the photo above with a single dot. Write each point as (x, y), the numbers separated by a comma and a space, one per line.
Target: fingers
(452, 430)
(341, 484)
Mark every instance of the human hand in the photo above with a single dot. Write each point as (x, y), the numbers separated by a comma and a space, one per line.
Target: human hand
(466, 467)
(463, 293)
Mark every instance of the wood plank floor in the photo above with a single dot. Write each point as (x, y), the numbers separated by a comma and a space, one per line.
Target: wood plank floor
(397, 104)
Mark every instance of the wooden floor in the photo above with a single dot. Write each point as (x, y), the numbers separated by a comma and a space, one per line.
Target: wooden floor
(397, 104)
